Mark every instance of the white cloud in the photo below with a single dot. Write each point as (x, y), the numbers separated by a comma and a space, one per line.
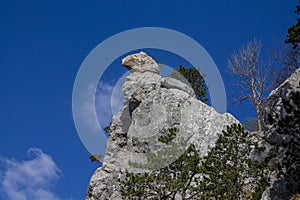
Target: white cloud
(31, 179)
(109, 100)
(93, 112)
(87, 110)
(103, 103)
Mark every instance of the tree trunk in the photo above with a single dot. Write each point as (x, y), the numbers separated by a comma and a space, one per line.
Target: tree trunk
(259, 118)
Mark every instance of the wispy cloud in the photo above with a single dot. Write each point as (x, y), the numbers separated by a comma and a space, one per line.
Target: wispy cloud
(86, 112)
(109, 100)
(93, 111)
(31, 179)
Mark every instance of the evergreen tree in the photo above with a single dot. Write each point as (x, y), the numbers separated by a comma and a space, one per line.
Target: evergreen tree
(166, 183)
(226, 172)
(288, 55)
(96, 158)
(294, 31)
(192, 77)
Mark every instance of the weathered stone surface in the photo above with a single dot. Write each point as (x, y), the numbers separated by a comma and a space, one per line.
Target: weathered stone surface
(152, 105)
(137, 85)
(140, 62)
(283, 130)
(172, 83)
(275, 106)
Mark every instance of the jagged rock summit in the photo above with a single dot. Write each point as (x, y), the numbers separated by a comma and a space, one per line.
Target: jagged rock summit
(153, 105)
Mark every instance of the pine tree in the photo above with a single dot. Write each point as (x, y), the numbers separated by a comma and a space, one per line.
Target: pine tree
(228, 170)
(294, 31)
(225, 173)
(165, 183)
(98, 158)
(192, 77)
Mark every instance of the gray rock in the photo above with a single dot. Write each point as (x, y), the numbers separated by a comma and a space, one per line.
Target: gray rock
(140, 62)
(172, 83)
(152, 105)
(280, 136)
(275, 109)
(137, 85)
(266, 195)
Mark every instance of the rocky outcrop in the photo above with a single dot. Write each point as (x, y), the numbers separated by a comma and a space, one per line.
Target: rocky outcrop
(140, 63)
(152, 105)
(282, 120)
(172, 83)
(275, 109)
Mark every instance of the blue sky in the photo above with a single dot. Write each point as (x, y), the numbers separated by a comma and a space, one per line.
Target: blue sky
(42, 45)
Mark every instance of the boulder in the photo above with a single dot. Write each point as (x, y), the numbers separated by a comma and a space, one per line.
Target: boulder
(140, 62)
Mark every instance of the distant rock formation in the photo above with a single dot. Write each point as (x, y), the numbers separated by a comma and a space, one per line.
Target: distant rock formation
(282, 120)
(152, 105)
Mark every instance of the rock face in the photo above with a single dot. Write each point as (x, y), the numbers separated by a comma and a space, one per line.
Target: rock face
(282, 119)
(152, 105)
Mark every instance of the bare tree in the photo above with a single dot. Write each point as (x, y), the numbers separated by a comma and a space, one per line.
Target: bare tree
(251, 76)
(286, 61)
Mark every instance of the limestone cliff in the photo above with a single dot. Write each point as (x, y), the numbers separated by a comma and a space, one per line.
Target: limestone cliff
(152, 105)
(282, 119)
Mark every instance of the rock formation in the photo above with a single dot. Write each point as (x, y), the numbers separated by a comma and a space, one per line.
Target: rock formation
(282, 120)
(152, 105)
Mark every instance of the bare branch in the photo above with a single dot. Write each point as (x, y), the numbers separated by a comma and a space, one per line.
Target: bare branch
(286, 61)
(251, 75)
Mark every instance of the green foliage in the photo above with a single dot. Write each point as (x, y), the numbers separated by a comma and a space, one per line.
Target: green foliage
(166, 182)
(195, 79)
(168, 153)
(169, 136)
(228, 165)
(225, 173)
(262, 186)
(294, 31)
(96, 158)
